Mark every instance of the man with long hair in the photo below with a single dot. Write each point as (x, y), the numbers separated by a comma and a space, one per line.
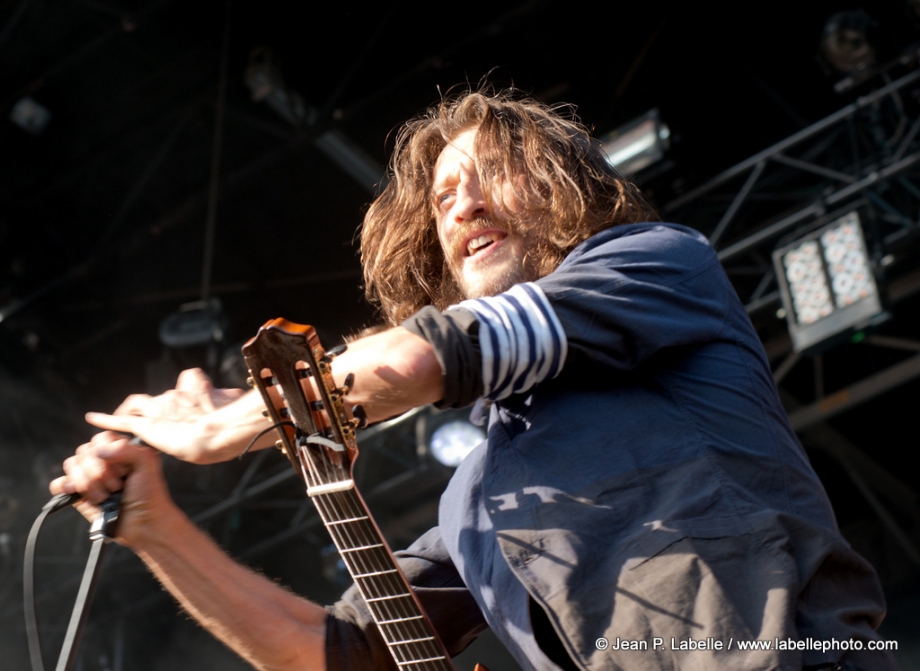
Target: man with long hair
(641, 501)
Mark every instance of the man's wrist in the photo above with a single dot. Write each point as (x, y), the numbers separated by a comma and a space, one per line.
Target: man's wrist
(160, 527)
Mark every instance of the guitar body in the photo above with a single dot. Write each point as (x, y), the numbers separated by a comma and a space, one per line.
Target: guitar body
(293, 372)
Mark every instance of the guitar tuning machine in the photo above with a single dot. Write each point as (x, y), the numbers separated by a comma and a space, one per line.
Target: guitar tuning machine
(335, 351)
(359, 420)
(327, 358)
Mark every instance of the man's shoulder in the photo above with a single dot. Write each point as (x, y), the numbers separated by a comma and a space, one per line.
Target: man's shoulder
(656, 242)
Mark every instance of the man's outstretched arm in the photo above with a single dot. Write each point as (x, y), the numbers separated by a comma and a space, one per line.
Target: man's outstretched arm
(268, 626)
(394, 372)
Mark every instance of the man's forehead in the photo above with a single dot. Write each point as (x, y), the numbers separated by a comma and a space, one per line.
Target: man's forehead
(459, 149)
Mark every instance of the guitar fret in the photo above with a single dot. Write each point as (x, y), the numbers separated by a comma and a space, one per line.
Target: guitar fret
(348, 520)
(411, 640)
(368, 575)
(401, 619)
(422, 661)
(388, 598)
(362, 547)
(330, 488)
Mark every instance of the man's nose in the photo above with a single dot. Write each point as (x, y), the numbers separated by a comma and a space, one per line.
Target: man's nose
(470, 201)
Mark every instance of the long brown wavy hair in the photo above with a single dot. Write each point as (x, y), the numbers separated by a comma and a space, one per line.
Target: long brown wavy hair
(568, 193)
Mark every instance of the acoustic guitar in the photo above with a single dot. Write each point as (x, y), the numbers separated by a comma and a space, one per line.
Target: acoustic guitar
(293, 373)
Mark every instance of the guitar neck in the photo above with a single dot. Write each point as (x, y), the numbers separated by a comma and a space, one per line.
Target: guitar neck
(319, 440)
(403, 623)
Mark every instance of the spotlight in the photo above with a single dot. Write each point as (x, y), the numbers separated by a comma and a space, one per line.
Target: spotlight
(266, 83)
(196, 323)
(451, 442)
(447, 435)
(30, 115)
(637, 144)
(827, 284)
(845, 45)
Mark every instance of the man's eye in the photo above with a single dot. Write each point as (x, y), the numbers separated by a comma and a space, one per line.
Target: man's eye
(443, 199)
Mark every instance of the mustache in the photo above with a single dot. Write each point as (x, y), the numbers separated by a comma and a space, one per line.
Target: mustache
(464, 229)
(479, 223)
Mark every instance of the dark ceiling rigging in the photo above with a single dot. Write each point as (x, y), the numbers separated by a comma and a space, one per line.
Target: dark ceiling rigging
(103, 215)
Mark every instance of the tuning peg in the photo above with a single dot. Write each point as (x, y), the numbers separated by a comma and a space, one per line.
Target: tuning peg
(360, 416)
(334, 352)
(348, 384)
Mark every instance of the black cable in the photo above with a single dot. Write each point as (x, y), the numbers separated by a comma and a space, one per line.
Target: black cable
(262, 433)
(28, 576)
(101, 531)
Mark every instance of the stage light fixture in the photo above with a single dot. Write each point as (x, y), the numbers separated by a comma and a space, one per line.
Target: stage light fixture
(827, 284)
(452, 441)
(845, 44)
(30, 115)
(266, 83)
(637, 144)
(196, 323)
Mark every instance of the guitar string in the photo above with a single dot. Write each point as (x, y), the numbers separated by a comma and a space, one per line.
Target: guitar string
(361, 534)
(347, 505)
(407, 633)
(392, 584)
(404, 610)
(404, 606)
(365, 562)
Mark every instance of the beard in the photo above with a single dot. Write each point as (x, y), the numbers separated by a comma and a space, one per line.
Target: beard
(492, 283)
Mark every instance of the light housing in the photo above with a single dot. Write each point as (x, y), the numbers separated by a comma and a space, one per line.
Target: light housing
(827, 283)
(637, 144)
(30, 115)
(845, 44)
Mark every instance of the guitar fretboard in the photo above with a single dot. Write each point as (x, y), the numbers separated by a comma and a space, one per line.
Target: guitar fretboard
(321, 450)
(403, 625)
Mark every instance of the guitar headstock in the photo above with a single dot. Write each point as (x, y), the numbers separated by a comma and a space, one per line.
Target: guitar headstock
(293, 373)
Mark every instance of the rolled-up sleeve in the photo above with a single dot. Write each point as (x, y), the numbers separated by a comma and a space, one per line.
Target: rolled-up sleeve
(353, 641)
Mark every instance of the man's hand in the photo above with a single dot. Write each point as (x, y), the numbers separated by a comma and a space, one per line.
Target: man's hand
(110, 463)
(194, 422)
(267, 625)
(193, 396)
(394, 371)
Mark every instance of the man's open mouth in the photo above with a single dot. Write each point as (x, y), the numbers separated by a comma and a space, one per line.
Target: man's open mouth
(481, 242)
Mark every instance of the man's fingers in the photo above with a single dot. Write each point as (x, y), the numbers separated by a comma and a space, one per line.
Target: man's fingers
(61, 485)
(194, 379)
(106, 438)
(90, 476)
(134, 405)
(122, 423)
(231, 394)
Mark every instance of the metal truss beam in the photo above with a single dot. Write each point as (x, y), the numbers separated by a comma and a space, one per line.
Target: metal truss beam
(855, 394)
(793, 141)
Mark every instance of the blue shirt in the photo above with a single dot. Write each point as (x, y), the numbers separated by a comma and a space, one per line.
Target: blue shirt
(653, 491)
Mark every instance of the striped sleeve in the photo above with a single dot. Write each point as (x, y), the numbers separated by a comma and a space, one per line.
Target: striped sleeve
(520, 338)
